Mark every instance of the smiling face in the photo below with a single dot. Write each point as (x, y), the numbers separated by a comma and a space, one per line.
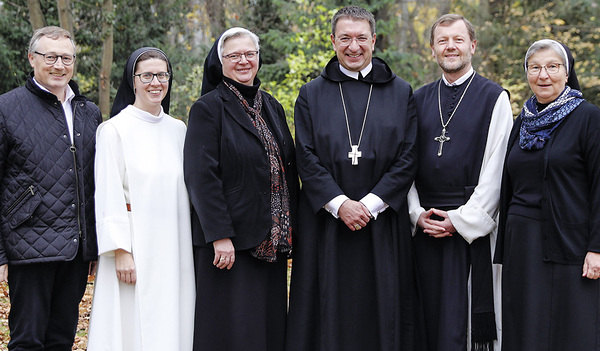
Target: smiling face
(547, 87)
(54, 77)
(453, 48)
(353, 43)
(245, 70)
(148, 96)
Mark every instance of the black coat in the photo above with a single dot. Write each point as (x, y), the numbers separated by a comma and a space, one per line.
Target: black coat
(571, 188)
(46, 183)
(227, 170)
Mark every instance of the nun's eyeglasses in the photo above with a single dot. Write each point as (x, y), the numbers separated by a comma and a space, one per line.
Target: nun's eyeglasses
(551, 68)
(237, 57)
(147, 77)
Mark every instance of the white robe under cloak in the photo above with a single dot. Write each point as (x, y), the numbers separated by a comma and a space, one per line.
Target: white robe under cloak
(139, 161)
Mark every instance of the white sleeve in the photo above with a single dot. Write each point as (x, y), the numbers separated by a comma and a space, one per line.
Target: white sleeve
(374, 204)
(414, 207)
(334, 205)
(112, 218)
(476, 218)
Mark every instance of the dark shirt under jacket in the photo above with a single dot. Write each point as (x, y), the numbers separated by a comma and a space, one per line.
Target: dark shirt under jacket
(526, 169)
(227, 170)
(571, 188)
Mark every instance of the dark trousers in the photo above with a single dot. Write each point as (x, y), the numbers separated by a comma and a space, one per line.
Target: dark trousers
(44, 300)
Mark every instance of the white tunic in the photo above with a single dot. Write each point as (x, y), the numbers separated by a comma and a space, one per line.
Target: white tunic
(139, 161)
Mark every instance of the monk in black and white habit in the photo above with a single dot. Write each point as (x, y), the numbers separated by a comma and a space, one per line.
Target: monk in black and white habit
(464, 124)
(352, 280)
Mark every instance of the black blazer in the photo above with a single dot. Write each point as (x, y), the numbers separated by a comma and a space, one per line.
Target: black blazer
(571, 188)
(227, 171)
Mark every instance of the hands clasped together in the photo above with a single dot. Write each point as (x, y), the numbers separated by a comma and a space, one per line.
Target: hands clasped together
(435, 227)
(354, 214)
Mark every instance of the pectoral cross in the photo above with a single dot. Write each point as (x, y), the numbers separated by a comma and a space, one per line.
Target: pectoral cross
(441, 139)
(354, 155)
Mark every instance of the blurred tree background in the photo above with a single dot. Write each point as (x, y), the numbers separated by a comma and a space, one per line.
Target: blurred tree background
(295, 41)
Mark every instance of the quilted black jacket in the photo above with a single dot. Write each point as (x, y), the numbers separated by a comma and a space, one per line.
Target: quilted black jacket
(46, 183)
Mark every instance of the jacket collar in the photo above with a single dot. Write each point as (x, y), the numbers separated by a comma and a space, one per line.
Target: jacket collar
(48, 96)
(233, 108)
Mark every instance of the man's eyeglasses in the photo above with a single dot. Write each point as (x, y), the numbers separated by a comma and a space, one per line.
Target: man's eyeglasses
(235, 57)
(551, 68)
(146, 77)
(51, 59)
(346, 41)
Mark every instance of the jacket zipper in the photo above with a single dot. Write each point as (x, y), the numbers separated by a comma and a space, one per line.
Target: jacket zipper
(73, 150)
(20, 199)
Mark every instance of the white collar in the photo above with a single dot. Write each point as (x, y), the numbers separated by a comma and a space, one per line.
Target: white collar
(69, 93)
(354, 74)
(145, 115)
(460, 80)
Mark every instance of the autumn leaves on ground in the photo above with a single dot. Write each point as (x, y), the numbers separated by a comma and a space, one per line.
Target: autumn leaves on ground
(84, 316)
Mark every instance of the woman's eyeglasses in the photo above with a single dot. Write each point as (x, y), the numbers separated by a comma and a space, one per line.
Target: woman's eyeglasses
(237, 57)
(146, 77)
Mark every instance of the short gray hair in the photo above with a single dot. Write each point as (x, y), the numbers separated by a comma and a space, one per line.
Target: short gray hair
(354, 13)
(546, 44)
(51, 32)
(234, 33)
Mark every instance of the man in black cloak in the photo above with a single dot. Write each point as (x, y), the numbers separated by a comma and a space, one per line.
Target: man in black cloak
(464, 123)
(352, 281)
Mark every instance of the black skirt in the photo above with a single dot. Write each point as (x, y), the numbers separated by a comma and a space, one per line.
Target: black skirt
(545, 306)
(239, 309)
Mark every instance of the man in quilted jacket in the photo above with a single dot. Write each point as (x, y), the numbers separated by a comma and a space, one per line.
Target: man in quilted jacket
(47, 234)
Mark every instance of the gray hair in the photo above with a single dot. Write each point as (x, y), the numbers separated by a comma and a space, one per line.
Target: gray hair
(449, 19)
(354, 13)
(51, 32)
(236, 32)
(546, 44)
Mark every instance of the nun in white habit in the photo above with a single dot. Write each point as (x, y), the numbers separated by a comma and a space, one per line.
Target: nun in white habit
(144, 291)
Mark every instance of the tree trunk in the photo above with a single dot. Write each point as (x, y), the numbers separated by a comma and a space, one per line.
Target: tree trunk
(405, 26)
(36, 17)
(216, 13)
(64, 15)
(66, 20)
(484, 10)
(107, 58)
(383, 14)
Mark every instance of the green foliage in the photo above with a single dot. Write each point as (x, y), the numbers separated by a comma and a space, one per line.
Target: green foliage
(504, 40)
(185, 91)
(13, 45)
(308, 50)
(295, 43)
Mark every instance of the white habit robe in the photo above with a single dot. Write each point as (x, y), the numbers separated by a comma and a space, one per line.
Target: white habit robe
(139, 161)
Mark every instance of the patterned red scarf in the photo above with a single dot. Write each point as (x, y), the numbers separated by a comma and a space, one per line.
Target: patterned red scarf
(280, 239)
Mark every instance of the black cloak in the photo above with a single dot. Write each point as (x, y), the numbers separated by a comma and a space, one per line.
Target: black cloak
(353, 290)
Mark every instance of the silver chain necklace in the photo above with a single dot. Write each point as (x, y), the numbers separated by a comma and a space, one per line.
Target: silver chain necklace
(354, 153)
(443, 137)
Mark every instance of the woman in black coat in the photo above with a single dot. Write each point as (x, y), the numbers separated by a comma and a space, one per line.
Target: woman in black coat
(239, 166)
(549, 229)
